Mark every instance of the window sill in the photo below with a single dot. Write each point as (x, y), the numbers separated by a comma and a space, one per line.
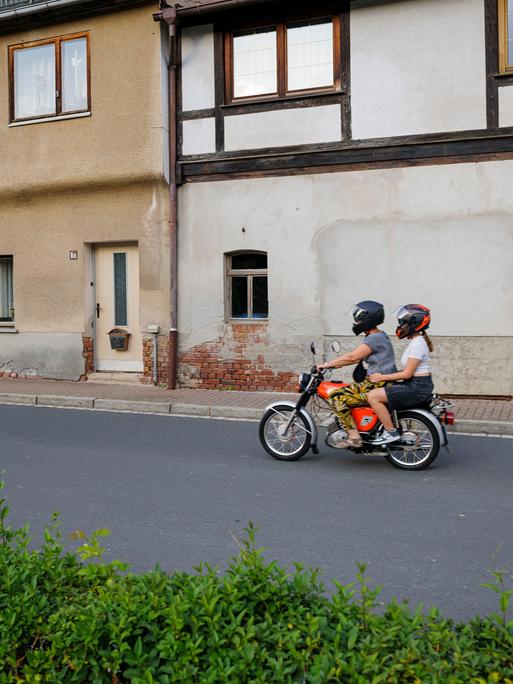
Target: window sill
(305, 95)
(29, 122)
(247, 321)
(8, 327)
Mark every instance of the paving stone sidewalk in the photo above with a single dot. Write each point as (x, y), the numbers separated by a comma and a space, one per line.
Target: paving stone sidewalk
(472, 415)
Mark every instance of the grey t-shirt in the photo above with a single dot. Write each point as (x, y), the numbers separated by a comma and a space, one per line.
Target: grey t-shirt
(381, 360)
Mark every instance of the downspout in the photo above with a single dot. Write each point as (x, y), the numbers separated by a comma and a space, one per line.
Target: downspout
(168, 17)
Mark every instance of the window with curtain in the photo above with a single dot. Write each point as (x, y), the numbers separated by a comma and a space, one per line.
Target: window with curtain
(284, 59)
(506, 36)
(49, 78)
(6, 289)
(247, 286)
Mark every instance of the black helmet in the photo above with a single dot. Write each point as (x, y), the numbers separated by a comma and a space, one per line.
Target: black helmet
(412, 318)
(367, 315)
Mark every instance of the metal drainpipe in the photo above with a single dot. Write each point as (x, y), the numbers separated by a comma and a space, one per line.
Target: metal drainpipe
(168, 17)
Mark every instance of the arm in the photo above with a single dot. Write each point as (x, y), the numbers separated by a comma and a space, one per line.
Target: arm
(405, 374)
(349, 359)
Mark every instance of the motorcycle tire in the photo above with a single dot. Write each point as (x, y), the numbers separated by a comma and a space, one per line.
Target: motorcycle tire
(419, 445)
(290, 447)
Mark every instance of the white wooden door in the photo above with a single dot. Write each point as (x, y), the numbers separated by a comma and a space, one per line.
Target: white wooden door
(117, 306)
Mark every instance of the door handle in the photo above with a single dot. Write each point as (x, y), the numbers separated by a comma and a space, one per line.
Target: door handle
(98, 309)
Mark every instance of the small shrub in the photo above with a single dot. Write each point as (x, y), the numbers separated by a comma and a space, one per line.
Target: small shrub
(69, 617)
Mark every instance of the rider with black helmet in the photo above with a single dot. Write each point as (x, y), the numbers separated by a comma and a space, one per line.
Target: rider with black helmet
(376, 349)
(412, 322)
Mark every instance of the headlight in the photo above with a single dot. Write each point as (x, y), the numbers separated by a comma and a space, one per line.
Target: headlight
(303, 381)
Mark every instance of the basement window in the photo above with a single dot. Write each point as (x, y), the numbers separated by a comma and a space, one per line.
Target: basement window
(49, 78)
(247, 296)
(6, 289)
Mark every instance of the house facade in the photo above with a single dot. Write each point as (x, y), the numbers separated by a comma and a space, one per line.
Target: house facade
(84, 241)
(226, 178)
(331, 152)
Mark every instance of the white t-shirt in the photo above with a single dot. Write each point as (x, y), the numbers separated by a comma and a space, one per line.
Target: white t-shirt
(418, 349)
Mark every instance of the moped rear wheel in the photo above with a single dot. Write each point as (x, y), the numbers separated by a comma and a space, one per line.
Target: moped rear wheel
(284, 445)
(419, 444)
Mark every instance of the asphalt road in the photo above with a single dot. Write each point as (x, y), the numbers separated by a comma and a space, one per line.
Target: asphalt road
(177, 490)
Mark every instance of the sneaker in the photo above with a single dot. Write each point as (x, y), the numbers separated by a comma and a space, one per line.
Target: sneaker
(386, 437)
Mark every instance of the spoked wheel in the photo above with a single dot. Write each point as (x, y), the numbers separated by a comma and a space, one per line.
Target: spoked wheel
(285, 445)
(419, 445)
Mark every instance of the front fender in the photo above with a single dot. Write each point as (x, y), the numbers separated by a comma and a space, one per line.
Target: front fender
(433, 419)
(303, 412)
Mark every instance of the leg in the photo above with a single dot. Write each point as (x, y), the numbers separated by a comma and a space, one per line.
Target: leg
(340, 401)
(378, 401)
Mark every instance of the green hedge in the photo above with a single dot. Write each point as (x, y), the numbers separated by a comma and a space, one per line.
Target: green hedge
(66, 620)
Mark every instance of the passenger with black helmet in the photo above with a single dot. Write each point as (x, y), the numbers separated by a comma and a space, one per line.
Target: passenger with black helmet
(376, 349)
(417, 386)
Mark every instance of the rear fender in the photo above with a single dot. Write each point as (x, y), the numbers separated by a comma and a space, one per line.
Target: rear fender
(433, 420)
(303, 412)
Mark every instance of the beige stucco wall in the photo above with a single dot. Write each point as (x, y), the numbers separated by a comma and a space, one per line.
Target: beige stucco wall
(442, 235)
(121, 140)
(53, 297)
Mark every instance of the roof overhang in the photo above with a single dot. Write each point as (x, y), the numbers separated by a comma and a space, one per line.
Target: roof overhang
(19, 14)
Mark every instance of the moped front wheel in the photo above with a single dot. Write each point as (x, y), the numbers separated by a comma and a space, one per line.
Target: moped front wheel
(419, 444)
(282, 443)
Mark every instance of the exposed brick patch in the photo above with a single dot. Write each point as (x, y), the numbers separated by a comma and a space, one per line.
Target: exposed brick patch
(88, 354)
(162, 360)
(235, 361)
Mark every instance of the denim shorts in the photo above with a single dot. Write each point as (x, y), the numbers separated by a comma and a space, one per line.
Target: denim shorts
(410, 393)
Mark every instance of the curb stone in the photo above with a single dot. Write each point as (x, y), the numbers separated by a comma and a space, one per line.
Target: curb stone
(190, 410)
(7, 398)
(127, 405)
(65, 402)
(236, 412)
(486, 427)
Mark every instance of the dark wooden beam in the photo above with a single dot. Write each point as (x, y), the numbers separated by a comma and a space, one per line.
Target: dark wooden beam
(492, 63)
(219, 86)
(349, 156)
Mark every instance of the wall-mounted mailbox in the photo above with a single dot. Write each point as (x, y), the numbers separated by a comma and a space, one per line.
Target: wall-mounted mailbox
(119, 339)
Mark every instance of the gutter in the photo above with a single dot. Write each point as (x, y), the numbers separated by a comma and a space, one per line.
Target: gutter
(168, 17)
(214, 6)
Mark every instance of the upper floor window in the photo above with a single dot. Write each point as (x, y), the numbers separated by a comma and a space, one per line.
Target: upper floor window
(506, 36)
(247, 285)
(6, 290)
(49, 78)
(287, 58)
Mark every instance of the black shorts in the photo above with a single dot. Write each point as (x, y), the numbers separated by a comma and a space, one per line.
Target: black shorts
(410, 393)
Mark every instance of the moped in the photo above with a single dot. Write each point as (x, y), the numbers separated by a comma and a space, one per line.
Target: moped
(288, 430)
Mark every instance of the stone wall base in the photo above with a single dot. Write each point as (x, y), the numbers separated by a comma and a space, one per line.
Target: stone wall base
(236, 361)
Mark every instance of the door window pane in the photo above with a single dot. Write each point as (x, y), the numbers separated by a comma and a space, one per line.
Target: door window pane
(74, 75)
(240, 297)
(120, 289)
(6, 289)
(260, 301)
(254, 63)
(34, 81)
(310, 55)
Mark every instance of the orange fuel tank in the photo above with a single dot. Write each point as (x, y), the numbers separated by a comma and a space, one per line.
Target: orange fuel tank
(326, 388)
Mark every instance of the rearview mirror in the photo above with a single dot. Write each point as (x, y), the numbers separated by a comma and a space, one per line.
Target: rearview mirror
(312, 348)
(335, 345)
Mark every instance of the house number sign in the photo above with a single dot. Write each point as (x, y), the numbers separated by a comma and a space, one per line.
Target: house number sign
(73, 254)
